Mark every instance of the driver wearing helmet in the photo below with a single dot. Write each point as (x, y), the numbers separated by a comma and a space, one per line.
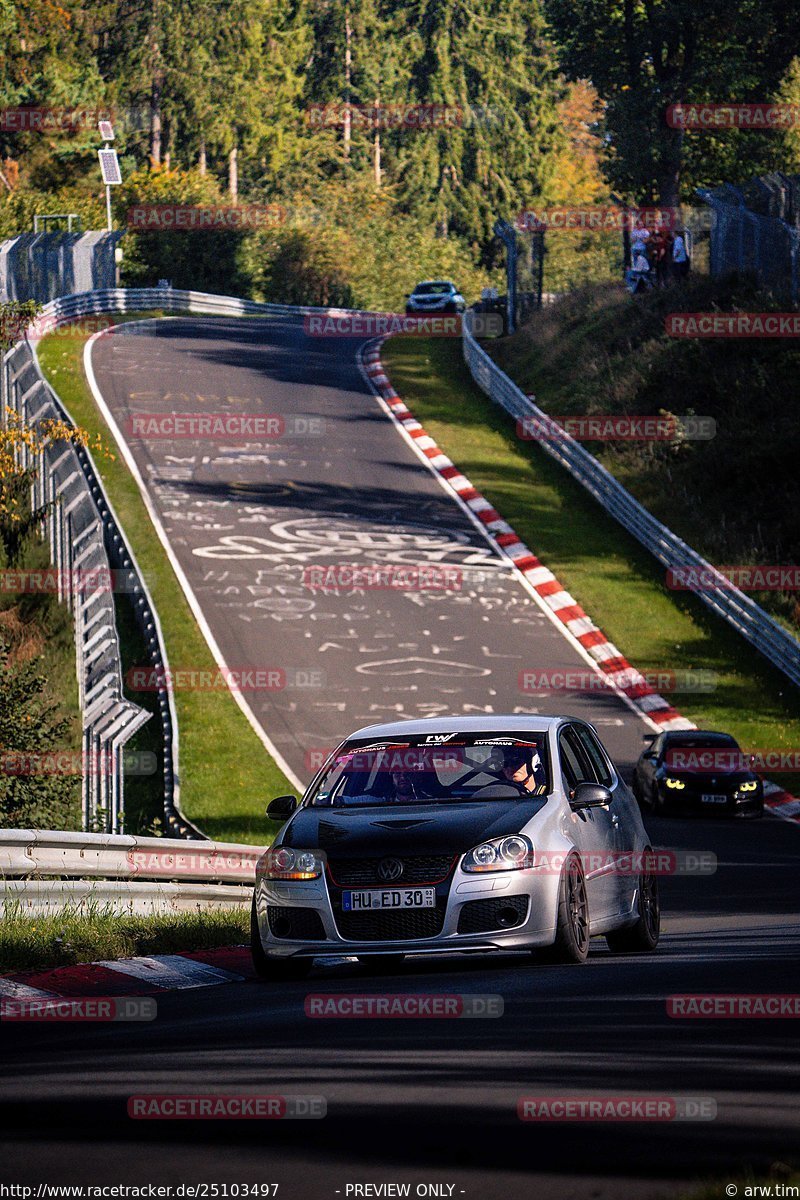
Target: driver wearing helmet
(523, 765)
(410, 780)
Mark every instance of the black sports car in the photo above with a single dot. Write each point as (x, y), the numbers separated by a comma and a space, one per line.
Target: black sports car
(697, 771)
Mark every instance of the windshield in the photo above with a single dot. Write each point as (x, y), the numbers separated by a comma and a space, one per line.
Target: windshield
(435, 769)
(707, 752)
(433, 289)
(703, 741)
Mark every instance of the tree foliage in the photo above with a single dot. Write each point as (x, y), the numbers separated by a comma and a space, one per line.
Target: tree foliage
(645, 55)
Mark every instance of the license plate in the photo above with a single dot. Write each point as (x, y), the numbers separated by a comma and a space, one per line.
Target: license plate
(389, 898)
(714, 799)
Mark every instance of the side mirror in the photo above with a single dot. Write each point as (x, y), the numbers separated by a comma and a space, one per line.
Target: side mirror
(282, 807)
(590, 795)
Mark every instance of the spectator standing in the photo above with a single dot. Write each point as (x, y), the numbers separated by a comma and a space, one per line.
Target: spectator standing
(662, 254)
(680, 254)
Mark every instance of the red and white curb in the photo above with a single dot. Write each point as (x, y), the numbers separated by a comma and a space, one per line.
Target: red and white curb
(571, 618)
(146, 976)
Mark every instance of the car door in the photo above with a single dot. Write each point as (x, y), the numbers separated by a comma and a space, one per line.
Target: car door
(592, 829)
(622, 831)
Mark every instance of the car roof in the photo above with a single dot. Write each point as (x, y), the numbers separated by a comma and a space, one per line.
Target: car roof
(675, 735)
(527, 723)
(423, 282)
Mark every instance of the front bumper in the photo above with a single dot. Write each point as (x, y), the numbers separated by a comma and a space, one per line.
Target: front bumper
(429, 310)
(689, 802)
(530, 894)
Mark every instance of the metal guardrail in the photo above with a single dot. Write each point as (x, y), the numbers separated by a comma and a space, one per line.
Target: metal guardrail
(738, 610)
(75, 530)
(85, 536)
(47, 870)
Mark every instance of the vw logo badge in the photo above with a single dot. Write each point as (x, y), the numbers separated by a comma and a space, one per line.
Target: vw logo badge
(390, 869)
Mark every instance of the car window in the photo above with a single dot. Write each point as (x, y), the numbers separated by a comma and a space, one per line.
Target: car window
(433, 289)
(595, 754)
(657, 746)
(435, 769)
(574, 763)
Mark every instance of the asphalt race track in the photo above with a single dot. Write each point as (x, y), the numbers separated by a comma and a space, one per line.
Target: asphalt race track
(418, 1101)
(247, 522)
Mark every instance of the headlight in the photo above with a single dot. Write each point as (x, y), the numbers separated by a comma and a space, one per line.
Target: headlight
(285, 863)
(675, 784)
(748, 787)
(500, 854)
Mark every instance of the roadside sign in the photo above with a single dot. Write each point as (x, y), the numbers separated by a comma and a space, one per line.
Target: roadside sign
(109, 165)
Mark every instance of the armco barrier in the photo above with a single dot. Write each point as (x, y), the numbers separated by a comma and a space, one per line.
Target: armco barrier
(47, 870)
(85, 535)
(75, 529)
(740, 611)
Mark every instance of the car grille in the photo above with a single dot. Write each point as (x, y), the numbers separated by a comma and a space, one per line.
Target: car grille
(300, 924)
(391, 926)
(355, 872)
(479, 916)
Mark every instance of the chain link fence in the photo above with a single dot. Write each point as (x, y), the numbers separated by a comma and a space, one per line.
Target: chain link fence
(43, 266)
(756, 231)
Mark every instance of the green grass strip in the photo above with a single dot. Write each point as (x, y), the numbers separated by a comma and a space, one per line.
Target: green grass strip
(226, 774)
(60, 939)
(618, 583)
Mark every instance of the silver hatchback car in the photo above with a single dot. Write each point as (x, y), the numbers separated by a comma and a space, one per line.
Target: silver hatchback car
(457, 834)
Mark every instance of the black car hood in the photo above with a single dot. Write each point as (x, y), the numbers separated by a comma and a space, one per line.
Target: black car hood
(407, 829)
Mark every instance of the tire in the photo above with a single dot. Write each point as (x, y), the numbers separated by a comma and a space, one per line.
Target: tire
(641, 938)
(273, 970)
(572, 923)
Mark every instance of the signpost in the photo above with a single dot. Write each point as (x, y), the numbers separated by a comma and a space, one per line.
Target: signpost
(109, 165)
(508, 236)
